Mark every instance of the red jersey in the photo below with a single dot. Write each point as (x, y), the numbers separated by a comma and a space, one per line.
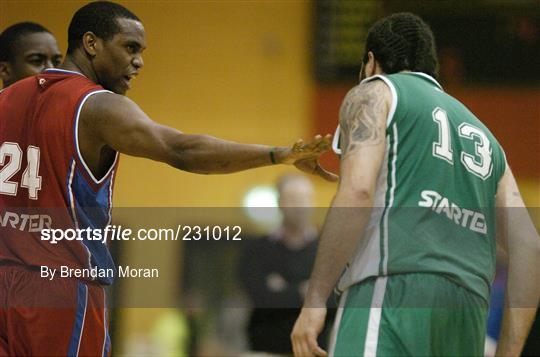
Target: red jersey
(44, 181)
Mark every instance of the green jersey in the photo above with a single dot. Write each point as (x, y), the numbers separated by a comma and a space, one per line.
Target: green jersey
(434, 208)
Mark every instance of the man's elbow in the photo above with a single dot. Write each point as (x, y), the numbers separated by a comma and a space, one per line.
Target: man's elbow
(186, 155)
(357, 197)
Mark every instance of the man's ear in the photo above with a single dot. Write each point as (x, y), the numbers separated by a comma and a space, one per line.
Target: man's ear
(370, 65)
(373, 66)
(90, 43)
(5, 71)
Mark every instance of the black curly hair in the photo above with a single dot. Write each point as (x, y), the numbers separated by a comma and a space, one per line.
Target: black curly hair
(98, 17)
(403, 41)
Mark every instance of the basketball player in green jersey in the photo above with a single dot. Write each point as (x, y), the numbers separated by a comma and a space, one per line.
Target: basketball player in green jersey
(415, 217)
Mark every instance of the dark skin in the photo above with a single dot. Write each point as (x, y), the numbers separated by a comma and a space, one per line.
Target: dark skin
(34, 52)
(112, 122)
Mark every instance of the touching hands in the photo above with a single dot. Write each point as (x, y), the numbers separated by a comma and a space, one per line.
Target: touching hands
(305, 156)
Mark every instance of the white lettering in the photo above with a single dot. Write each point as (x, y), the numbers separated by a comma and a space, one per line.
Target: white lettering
(460, 216)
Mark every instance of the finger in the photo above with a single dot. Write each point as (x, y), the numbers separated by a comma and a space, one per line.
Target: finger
(296, 343)
(298, 145)
(314, 346)
(327, 175)
(324, 146)
(305, 351)
(295, 346)
(312, 145)
(328, 139)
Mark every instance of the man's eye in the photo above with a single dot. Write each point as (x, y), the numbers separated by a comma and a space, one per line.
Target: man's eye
(36, 61)
(131, 48)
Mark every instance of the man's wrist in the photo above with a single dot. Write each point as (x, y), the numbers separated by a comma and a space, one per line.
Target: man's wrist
(279, 155)
(314, 300)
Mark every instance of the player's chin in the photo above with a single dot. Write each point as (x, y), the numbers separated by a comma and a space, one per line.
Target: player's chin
(120, 88)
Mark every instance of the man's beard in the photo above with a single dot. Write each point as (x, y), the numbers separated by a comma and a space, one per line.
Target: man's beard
(362, 72)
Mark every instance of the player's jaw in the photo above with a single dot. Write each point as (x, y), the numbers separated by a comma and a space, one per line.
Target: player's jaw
(125, 81)
(122, 56)
(117, 74)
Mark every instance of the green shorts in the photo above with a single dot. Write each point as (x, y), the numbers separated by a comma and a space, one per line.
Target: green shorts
(409, 315)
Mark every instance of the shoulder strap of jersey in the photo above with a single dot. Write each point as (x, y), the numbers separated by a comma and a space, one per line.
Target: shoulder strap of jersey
(336, 141)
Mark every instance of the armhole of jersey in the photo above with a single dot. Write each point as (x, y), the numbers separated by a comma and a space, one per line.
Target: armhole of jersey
(389, 118)
(390, 85)
(335, 141)
(505, 167)
(505, 161)
(76, 135)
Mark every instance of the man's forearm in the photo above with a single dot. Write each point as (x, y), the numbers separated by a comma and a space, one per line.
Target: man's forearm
(515, 329)
(523, 285)
(341, 235)
(209, 155)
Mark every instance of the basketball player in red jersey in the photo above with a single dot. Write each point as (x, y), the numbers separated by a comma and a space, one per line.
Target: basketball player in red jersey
(26, 49)
(61, 132)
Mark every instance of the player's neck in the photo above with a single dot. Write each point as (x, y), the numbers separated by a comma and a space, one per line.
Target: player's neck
(72, 62)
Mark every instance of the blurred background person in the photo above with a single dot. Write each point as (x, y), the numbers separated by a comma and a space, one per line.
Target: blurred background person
(275, 269)
(26, 49)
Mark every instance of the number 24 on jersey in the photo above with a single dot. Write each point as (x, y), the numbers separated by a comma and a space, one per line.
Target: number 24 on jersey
(11, 156)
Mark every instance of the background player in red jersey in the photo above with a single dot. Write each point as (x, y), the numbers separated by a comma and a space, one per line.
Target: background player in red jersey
(26, 49)
(66, 126)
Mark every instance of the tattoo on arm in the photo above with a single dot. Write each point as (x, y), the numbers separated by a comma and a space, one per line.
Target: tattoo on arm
(360, 116)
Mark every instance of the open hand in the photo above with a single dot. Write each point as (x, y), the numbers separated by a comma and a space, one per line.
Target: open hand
(305, 156)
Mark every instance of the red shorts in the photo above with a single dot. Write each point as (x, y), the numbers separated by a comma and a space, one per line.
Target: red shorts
(40, 317)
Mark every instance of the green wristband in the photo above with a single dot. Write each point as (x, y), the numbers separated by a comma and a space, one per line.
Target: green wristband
(272, 156)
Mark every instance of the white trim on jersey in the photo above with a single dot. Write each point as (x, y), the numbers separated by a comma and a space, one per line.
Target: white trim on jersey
(374, 320)
(73, 210)
(84, 317)
(96, 181)
(390, 200)
(62, 71)
(110, 198)
(335, 141)
(337, 322)
(394, 96)
(428, 77)
(104, 322)
(393, 106)
(71, 195)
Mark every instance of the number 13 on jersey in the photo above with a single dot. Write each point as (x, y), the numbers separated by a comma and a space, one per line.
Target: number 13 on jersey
(479, 163)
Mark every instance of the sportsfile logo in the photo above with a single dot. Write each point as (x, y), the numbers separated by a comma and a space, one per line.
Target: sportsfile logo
(119, 233)
(475, 221)
(86, 234)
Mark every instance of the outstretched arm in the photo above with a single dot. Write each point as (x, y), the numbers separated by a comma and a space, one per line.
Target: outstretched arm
(115, 121)
(363, 131)
(518, 236)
